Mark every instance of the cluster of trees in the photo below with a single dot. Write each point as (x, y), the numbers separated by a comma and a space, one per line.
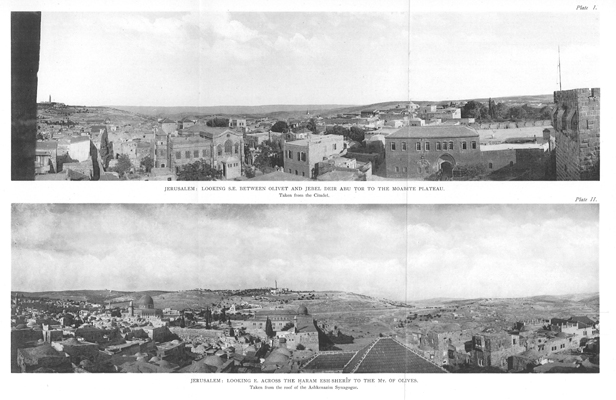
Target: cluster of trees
(280, 127)
(500, 112)
(199, 171)
(123, 167)
(269, 156)
(355, 133)
(218, 122)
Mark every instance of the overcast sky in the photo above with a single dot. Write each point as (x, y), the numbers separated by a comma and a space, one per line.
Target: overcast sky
(477, 54)
(397, 252)
(256, 58)
(190, 59)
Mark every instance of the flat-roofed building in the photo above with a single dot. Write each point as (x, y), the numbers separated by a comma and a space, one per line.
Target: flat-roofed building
(302, 156)
(417, 152)
(221, 148)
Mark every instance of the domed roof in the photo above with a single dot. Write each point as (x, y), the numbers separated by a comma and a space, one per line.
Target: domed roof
(146, 301)
(302, 310)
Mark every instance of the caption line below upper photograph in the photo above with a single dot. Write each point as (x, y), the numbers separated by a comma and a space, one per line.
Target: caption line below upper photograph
(292, 96)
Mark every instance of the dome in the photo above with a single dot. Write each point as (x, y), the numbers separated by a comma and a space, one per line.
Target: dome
(146, 302)
(302, 310)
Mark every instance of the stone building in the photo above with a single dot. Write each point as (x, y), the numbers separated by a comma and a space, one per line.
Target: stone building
(145, 308)
(495, 349)
(221, 148)
(302, 156)
(46, 158)
(302, 331)
(418, 152)
(576, 121)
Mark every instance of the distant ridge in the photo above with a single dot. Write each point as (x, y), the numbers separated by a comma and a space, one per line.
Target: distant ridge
(230, 110)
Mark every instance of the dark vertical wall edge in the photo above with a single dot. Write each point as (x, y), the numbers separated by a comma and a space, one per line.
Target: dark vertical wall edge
(25, 48)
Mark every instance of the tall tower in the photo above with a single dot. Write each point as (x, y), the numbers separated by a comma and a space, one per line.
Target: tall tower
(131, 309)
(50, 98)
(576, 121)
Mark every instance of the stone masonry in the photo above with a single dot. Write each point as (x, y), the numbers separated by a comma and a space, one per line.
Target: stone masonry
(576, 120)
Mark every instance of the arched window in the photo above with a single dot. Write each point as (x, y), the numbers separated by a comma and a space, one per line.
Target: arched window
(228, 147)
(236, 148)
(219, 150)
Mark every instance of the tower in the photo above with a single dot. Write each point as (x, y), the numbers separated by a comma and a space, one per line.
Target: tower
(131, 309)
(576, 121)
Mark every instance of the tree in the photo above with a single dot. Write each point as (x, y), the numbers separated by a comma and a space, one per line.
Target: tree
(223, 315)
(147, 163)
(280, 126)
(300, 347)
(473, 109)
(123, 166)
(269, 156)
(357, 134)
(269, 331)
(312, 125)
(106, 150)
(218, 122)
(199, 171)
(340, 130)
(231, 332)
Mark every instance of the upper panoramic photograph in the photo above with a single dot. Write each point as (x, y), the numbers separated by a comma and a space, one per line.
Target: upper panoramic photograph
(315, 96)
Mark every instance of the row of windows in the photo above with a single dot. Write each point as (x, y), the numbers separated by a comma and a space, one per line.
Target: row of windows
(296, 172)
(301, 156)
(439, 146)
(203, 153)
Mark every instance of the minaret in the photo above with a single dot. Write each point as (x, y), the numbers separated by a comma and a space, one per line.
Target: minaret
(131, 309)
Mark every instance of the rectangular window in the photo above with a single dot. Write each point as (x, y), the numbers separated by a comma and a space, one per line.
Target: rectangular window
(450, 145)
(334, 147)
(178, 155)
(438, 146)
(463, 145)
(196, 153)
(404, 169)
(403, 146)
(427, 146)
(397, 169)
(474, 145)
(303, 156)
(418, 146)
(204, 152)
(299, 156)
(187, 154)
(393, 146)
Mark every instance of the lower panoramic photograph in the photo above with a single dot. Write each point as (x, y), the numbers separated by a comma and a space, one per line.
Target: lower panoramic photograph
(191, 288)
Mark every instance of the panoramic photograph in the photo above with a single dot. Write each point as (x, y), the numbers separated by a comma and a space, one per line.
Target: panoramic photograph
(184, 288)
(306, 96)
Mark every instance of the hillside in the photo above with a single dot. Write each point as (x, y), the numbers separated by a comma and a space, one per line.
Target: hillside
(230, 110)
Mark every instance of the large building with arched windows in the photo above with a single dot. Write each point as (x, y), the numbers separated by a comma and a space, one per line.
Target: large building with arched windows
(418, 152)
(222, 148)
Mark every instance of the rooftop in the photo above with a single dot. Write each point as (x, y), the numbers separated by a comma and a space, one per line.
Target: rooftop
(438, 131)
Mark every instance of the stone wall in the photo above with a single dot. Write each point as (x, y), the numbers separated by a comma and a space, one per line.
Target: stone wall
(576, 120)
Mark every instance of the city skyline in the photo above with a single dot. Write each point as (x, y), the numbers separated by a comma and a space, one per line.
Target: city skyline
(403, 253)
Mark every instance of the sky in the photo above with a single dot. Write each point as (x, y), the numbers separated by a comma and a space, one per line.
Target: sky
(397, 252)
(259, 58)
(207, 59)
(488, 54)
